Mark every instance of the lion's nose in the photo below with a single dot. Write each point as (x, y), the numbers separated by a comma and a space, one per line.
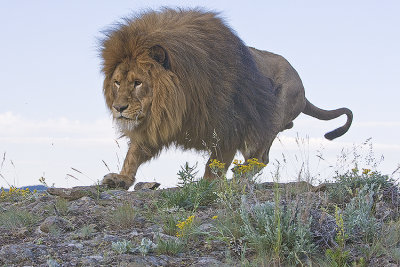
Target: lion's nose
(120, 108)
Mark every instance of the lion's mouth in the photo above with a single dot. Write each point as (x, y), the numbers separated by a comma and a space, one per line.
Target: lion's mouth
(125, 118)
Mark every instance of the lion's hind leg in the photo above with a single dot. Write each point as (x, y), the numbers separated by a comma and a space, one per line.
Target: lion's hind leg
(225, 157)
(259, 151)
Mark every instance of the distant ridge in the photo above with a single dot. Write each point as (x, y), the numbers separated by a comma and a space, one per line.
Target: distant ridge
(31, 188)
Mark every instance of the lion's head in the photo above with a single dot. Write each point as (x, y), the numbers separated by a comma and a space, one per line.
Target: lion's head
(179, 76)
(140, 87)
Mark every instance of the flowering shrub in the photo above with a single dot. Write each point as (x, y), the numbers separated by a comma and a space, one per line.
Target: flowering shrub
(14, 194)
(349, 184)
(250, 167)
(184, 226)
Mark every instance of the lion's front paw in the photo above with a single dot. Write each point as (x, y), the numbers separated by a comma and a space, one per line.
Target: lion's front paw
(115, 180)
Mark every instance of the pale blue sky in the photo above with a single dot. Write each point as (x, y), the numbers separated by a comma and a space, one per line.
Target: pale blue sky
(52, 112)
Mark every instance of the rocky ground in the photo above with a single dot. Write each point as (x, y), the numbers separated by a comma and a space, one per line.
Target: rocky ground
(94, 226)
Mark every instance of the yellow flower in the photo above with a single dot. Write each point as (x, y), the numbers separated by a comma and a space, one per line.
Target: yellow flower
(251, 166)
(366, 171)
(237, 162)
(184, 225)
(214, 217)
(215, 164)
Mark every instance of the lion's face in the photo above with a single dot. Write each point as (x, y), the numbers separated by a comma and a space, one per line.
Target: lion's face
(132, 95)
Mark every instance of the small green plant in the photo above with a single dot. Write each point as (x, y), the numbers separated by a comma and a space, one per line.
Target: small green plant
(16, 218)
(123, 217)
(277, 233)
(390, 238)
(170, 246)
(52, 263)
(122, 247)
(187, 174)
(338, 255)
(184, 227)
(358, 215)
(169, 224)
(39, 241)
(192, 193)
(61, 206)
(86, 231)
(146, 245)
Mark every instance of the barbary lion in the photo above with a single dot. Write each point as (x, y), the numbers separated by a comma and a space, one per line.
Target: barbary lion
(182, 77)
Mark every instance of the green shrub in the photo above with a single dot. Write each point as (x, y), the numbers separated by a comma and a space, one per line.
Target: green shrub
(15, 218)
(338, 256)
(122, 247)
(346, 185)
(192, 193)
(170, 246)
(359, 220)
(123, 217)
(278, 232)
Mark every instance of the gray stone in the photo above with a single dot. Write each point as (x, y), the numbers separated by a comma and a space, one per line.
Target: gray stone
(77, 192)
(205, 227)
(383, 211)
(15, 253)
(55, 223)
(81, 205)
(112, 194)
(146, 186)
(164, 237)
(207, 261)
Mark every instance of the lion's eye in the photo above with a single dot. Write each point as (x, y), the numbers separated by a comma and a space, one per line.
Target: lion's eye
(117, 83)
(137, 83)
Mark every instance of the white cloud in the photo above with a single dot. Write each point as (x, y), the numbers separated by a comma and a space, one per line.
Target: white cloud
(17, 129)
(53, 146)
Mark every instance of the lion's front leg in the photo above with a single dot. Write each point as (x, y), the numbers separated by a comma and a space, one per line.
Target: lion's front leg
(125, 179)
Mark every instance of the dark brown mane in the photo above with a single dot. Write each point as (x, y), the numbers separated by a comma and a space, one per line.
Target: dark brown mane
(211, 83)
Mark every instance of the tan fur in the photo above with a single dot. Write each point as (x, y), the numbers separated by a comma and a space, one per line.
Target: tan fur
(182, 77)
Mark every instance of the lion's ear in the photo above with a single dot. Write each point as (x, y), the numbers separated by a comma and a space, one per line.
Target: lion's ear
(159, 54)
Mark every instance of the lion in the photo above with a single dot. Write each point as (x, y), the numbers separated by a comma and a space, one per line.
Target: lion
(182, 77)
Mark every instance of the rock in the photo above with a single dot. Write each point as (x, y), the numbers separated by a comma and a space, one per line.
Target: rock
(303, 185)
(206, 261)
(164, 237)
(205, 227)
(112, 194)
(146, 186)
(55, 223)
(15, 253)
(22, 232)
(92, 260)
(383, 211)
(77, 192)
(76, 245)
(134, 233)
(110, 238)
(323, 227)
(84, 204)
(322, 187)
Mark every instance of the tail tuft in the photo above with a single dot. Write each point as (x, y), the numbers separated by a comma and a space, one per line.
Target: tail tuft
(322, 114)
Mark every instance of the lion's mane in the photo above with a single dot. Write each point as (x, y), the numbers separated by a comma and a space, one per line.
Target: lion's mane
(208, 87)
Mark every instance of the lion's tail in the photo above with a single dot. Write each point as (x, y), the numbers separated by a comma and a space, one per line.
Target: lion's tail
(322, 114)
